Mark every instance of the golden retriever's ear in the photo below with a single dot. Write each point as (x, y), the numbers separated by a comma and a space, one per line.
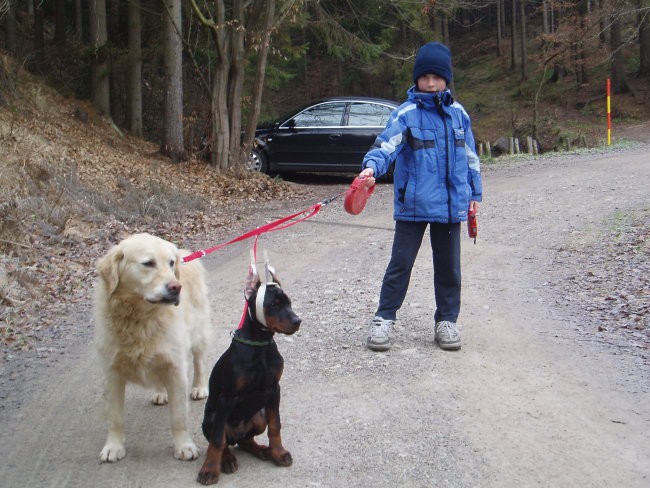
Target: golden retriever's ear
(107, 268)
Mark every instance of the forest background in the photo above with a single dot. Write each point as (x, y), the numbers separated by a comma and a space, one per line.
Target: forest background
(117, 116)
(191, 75)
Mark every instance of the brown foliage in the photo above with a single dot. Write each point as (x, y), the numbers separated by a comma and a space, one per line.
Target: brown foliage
(71, 186)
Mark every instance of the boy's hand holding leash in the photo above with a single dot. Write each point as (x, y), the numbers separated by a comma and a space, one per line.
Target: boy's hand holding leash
(369, 175)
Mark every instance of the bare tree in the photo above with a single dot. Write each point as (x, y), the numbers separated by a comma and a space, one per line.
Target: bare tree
(513, 36)
(99, 76)
(499, 4)
(59, 22)
(229, 26)
(220, 130)
(172, 138)
(236, 83)
(644, 37)
(78, 21)
(619, 82)
(581, 55)
(8, 8)
(39, 36)
(444, 24)
(545, 21)
(135, 68)
(522, 22)
(260, 72)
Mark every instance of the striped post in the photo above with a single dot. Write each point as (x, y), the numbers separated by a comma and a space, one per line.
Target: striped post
(609, 113)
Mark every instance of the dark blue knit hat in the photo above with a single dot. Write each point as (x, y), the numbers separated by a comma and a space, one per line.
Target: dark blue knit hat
(433, 58)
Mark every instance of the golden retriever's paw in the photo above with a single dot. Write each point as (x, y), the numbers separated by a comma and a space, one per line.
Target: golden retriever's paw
(159, 398)
(112, 452)
(199, 393)
(186, 452)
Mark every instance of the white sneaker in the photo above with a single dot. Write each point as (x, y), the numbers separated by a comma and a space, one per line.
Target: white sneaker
(446, 335)
(379, 335)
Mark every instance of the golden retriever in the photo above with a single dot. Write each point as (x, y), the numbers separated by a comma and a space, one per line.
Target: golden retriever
(150, 312)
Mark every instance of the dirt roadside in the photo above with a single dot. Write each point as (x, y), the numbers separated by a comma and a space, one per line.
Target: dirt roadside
(534, 398)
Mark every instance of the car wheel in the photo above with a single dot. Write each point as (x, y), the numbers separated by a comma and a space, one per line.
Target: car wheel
(257, 161)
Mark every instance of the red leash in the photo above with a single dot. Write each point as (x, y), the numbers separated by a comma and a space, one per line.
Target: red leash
(270, 227)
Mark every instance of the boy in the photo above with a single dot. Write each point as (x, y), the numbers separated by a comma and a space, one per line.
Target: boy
(436, 180)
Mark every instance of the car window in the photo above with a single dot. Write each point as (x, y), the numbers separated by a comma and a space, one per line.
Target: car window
(368, 114)
(323, 115)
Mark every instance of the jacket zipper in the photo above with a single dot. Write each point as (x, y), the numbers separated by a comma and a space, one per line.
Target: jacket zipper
(441, 112)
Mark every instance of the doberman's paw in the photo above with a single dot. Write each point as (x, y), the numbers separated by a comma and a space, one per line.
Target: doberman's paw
(283, 459)
(186, 452)
(207, 477)
(264, 453)
(229, 466)
(229, 463)
(159, 398)
(112, 452)
(199, 393)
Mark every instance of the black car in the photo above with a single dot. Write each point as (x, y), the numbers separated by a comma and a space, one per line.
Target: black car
(328, 135)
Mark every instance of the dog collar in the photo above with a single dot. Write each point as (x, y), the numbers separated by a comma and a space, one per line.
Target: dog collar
(259, 302)
(250, 342)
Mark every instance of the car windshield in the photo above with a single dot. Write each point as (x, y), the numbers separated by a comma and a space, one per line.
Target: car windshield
(368, 115)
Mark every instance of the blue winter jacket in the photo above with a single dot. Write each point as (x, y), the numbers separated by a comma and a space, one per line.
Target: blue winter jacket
(437, 170)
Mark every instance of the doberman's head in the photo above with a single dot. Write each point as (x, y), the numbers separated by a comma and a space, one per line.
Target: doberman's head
(270, 306)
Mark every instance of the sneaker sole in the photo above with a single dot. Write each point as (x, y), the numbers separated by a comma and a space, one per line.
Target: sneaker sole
(451, 346)
(373, 346)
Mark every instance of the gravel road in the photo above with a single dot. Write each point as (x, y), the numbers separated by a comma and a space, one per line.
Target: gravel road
(536, 396)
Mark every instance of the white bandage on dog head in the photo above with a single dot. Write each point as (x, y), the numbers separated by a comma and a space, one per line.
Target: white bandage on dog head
(259, 302)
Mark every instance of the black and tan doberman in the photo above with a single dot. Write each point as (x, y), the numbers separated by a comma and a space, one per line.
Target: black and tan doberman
(244, 388)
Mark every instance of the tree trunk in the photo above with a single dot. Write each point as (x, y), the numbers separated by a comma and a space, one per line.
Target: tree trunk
(644, 37)
(39, 37)
(99, 79)
(11, 36)
(78, 21)
(260, 73)
(220, 135)
(545, 22)
(236, 84)
(59, 22)
(220, 131)
(135, 68)
(513, 36)
(524, 64)
(581, 72)
(444, 20)
(499, 31)
(602, 22)
(172, 137)
(619, 83)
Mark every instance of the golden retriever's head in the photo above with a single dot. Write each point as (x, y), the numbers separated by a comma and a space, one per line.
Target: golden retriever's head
(144, 266)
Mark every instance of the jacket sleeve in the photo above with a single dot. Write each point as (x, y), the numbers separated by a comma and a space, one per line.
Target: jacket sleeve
(387, 145)
(473, 162)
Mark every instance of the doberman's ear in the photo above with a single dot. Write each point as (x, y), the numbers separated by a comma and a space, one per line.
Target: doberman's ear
(251, 284)
(274, 276)
(108, 268)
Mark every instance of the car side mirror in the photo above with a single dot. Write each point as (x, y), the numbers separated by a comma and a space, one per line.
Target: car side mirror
(291, 124)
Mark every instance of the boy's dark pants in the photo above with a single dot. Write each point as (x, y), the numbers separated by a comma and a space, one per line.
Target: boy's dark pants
(445, 244)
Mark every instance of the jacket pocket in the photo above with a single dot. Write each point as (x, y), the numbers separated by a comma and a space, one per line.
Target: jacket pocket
(419, 139)
(459, 137)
